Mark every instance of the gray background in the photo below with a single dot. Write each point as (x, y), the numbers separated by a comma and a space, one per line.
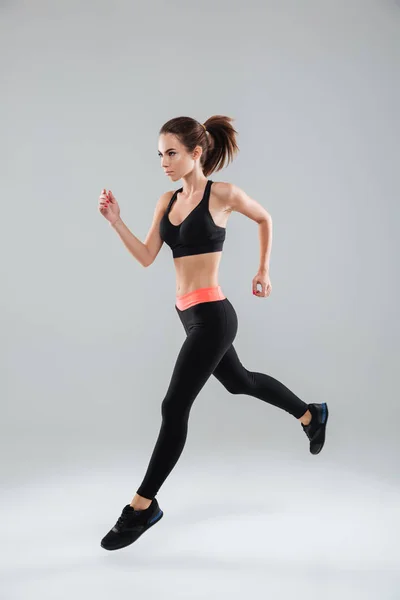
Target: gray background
(90, 338)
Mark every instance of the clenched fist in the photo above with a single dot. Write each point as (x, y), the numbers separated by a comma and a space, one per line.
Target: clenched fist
(108, 206)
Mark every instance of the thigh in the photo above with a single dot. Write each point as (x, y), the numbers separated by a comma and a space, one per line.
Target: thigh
(198, 357)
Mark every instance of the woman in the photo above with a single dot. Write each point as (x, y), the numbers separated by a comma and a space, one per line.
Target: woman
(192, 221)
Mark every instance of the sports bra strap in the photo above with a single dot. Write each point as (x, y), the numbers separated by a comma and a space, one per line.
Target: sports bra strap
(204, 200)
(173, 198)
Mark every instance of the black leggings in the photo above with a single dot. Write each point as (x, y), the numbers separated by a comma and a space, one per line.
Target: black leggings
(207, 350)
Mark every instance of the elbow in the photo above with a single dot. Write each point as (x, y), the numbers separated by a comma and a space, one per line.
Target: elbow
(148, 262)
(148, 259)
(143, 261)
(266, 218)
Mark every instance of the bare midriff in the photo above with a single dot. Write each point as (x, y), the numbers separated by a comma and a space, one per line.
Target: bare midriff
(197, 279)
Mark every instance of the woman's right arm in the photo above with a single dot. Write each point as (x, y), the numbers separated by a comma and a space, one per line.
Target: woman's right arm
(145, 253)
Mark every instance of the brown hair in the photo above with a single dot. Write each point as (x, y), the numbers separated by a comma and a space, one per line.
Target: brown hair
(217, 138)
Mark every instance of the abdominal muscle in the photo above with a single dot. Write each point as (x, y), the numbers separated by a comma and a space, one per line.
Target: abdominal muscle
(197, 271)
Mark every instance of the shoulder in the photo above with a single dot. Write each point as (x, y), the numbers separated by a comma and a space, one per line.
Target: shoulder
(222, 189)
(164, 200)
(224, 192)
(166, 196)
(233, 198)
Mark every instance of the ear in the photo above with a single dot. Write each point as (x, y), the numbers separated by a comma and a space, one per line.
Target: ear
(197, 152)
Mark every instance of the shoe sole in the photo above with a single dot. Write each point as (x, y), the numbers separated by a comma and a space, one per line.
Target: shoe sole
(325, 406)
(158, 518)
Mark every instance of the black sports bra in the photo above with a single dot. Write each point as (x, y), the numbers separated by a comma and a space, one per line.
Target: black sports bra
(197, 234)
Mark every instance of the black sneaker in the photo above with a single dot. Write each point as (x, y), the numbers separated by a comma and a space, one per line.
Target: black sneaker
(130, 525)
(315, 431)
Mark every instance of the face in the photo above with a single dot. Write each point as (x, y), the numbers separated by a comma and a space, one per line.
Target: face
(175, 159)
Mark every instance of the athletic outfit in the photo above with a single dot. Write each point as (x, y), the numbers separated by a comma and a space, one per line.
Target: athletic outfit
(211, 324)
(197, 234)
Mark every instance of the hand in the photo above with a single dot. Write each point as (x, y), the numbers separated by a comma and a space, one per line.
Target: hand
(262, 278)
(108, 206)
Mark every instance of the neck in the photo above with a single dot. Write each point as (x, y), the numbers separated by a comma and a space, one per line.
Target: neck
(193, 183)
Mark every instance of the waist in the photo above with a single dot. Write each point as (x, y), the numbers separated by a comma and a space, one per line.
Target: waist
(207, 294)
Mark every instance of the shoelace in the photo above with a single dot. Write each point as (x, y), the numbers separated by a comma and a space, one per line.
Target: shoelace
(126, 514)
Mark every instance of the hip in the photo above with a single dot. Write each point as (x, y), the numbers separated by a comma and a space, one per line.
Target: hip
(207, 307)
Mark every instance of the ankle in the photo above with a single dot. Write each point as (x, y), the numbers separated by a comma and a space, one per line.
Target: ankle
(140, 503)
(306, 418)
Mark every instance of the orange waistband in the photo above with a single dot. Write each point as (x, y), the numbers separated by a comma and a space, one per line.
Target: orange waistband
(208, 294)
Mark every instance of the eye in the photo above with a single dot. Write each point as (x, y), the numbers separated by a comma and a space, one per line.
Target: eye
(169, 153)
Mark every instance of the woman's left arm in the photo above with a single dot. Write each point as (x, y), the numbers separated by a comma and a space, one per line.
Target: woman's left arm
(241, 202)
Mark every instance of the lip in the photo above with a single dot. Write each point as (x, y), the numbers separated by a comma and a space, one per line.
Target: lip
(168, 172)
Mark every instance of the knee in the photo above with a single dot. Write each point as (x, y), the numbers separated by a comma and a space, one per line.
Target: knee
(172, 411)
(167, 408)
(240, 385)
(235, 386)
